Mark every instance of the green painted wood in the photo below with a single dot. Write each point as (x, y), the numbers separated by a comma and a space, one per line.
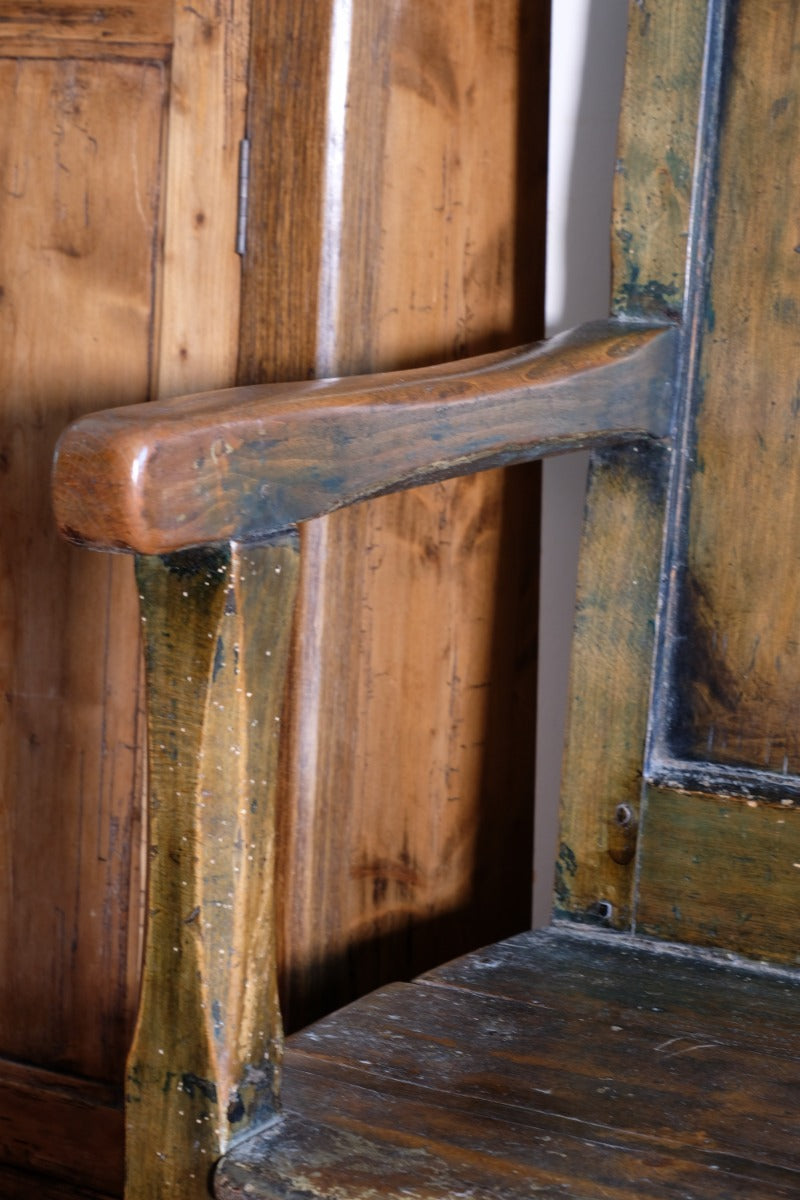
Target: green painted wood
(721, 871)
(618, 583)
(656, 155)
(622, 539)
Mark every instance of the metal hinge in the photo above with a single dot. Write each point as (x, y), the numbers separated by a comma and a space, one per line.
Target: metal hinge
(244, 191)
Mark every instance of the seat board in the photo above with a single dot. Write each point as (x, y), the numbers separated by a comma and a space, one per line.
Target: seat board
(554, 1064)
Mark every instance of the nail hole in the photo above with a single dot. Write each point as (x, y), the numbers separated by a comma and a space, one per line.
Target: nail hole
(623, 815)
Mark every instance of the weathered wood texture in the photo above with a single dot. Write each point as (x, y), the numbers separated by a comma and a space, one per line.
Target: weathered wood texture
(721, 871)
(740, 673)
(622, 541)
(250, 462)
(725, 710)
(421, 140)
(206, 1051)
(198, 301)
(586, 1068)
(618, 583)
(656, 156)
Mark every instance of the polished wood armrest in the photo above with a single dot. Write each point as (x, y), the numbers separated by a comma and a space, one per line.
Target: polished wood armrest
(248, 462)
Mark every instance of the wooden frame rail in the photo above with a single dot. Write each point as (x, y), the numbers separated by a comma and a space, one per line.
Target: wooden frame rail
(206, 491)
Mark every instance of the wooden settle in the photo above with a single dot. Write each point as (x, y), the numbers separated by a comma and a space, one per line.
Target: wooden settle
(631, 1050)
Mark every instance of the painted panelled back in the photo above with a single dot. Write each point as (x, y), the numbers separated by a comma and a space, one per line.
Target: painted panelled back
(685, 824)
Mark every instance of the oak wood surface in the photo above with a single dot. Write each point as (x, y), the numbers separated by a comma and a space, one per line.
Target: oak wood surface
(93, 155)
(254, 461)
(200, 274)
(416, 260)
(738, 607)
(612, 648)
(618, 583)
(44, 1118)
(82, 186)
(592, 1068)
(751, 904)
(206, 1050)
(84, 28)
(656, 156)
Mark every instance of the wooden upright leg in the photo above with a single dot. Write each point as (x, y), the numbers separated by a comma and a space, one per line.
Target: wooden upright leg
(206, 1052)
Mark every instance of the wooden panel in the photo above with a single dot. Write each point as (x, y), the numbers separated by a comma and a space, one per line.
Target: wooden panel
(740, 669)
(391, 140)
(81, 184)
(44, 1119)
(723, 872)
(560, 1063)
(81, 160)
(613, 644)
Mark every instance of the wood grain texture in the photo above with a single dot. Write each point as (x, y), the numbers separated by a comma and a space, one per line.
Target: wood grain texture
(739, 603)
(613, 644)
(99, 161)
(82, 28)
(253, 461)
(81, 198)
(617, 596)
(44, 1118)
(591, 1068)
(721, 871)
(656, 155)
(421, 261)
(198, 300)
(206, 1051)
(20, 1185)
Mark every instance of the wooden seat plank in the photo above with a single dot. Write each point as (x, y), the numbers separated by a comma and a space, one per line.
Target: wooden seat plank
(657, 1076)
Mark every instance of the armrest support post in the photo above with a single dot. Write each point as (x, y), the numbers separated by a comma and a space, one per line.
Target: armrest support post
(205, 1061)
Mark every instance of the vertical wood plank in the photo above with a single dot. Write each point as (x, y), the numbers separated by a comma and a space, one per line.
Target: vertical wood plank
(656, 156)
(199, 298)
(81, 183)
(396, 252)
(622, 540)
(618, 582)
(204, 1062)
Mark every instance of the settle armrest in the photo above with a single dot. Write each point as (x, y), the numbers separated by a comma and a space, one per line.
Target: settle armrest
(248, 462)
